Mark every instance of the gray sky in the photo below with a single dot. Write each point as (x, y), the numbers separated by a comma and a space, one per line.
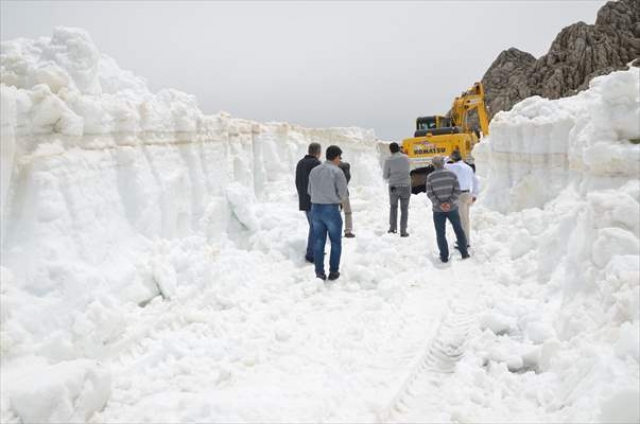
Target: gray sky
(372, 64)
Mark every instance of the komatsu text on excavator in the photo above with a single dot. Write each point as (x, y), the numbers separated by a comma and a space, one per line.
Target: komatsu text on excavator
(441, 135)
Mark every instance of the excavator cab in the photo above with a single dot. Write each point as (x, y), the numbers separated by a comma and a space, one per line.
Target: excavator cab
(426, 124)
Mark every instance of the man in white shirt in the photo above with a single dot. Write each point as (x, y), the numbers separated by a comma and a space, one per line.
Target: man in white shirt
(469, 188)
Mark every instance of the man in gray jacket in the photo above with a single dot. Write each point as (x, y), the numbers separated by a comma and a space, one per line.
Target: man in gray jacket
(443, 190)
(396, 171)
(328, 189)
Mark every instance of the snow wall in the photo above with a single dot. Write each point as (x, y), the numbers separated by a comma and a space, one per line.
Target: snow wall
(112, 195)
(561, 228)
(102, 180)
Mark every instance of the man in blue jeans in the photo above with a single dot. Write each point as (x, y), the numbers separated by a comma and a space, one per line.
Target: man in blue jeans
(443, 190)
(327, 188)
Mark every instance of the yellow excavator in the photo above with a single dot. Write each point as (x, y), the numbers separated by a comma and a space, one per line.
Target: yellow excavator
(438, 135)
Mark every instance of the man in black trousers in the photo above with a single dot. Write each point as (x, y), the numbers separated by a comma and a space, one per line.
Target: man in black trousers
(303, 169)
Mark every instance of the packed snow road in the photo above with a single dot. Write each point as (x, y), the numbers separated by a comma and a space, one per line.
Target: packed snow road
(280, 345)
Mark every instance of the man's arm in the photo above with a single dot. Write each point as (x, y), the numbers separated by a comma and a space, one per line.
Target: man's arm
(475, 186)
(346, 168)
(300, 180)
(387, 170)
(455, 193)
(309, 191)
(341, 185)
(430, 194)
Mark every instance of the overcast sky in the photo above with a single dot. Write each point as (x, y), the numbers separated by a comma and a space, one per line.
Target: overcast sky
(372, 64)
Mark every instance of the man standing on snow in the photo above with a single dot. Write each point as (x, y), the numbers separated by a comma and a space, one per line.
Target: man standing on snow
(396, 171)
(443, 190)
(328, 189)
(469, 189)
(304, 167)
(346, 204)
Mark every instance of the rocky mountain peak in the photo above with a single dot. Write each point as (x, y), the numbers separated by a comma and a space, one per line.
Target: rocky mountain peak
(579, 53)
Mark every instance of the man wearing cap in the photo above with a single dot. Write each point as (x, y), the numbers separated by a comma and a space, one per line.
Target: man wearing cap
(443, 190)
(328, 189)
(469, 189)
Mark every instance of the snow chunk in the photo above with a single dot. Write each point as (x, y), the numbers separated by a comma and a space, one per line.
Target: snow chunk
(621, 407)
(66, 392)
(611, 242)
(498, 323)
(242, 203)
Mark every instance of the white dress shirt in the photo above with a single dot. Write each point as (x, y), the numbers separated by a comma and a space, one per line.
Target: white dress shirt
(466, 177)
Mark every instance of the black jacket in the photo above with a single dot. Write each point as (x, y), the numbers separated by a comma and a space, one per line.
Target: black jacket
(303, 169)
(346, 168)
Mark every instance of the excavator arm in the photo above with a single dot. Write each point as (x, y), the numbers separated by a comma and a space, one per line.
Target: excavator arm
(472, 99)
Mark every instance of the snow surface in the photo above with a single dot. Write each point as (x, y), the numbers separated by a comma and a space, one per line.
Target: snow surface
(152, 263)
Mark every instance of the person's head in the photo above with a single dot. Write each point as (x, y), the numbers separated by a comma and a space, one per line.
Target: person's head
(456, 156)
(394, 148)
(315, 149)
(438, 162)
(333, 154)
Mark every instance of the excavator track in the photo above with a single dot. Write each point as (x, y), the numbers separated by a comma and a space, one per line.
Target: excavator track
(436, 362)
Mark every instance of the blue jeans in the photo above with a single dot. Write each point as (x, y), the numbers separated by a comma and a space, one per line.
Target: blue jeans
(326, 219)
(440, 222)
(310, 236)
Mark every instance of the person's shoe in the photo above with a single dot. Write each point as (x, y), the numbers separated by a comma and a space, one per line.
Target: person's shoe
(467, 256)
(349, 235)
(308, 259)
(334, 275)
(404, 234)
(444, 260)
(322, 276)
(392, 231)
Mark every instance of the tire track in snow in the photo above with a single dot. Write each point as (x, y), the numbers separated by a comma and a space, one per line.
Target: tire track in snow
(439, 357)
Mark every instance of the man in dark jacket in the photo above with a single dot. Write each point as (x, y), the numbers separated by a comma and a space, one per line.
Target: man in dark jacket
(443, 190)
(303, 169)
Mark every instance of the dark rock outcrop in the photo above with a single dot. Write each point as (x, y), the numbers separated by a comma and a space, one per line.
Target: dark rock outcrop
(579, 53)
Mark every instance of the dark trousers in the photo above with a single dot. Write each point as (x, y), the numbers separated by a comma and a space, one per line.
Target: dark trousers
(403, 194)
(326, 220)
(440, 223)
(310, 236)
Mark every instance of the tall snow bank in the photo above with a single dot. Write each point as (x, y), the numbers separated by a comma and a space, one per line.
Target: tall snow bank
(541, 146)
(65, 86)
(113, 196)
(567, 306)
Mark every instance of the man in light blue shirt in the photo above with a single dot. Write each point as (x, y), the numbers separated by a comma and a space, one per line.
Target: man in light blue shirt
(328, 189)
